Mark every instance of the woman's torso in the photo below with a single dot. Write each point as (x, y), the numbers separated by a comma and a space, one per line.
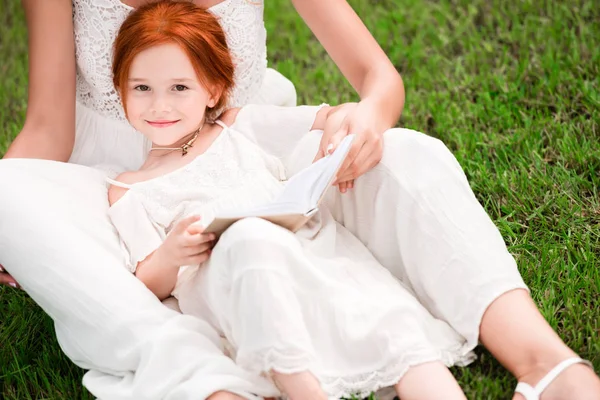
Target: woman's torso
(103, 136)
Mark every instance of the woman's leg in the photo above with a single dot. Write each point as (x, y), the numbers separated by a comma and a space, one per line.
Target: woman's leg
(418, 215)
(56, 240)
(430, 381)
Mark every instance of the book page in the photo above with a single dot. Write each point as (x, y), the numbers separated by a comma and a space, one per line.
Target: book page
(307, 187)
(304, 190)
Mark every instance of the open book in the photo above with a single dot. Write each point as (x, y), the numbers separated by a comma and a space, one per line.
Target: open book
(300, 197)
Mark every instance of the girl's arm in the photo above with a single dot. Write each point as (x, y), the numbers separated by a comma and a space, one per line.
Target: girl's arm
(158, 275)
(186, 244)
(369, 71)
(49, 129)
(156, 262)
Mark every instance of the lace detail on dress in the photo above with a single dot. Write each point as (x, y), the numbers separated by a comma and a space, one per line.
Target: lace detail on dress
(96, 23)
(293, 360)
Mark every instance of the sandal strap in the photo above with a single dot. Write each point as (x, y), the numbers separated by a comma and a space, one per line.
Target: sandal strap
(527, 391)
(533, 393)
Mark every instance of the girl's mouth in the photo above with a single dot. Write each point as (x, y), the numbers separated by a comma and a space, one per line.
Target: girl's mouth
(162, 123)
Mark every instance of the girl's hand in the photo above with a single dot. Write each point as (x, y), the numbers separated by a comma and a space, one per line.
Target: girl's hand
(186, 244)
(6, 279)
(362, 120)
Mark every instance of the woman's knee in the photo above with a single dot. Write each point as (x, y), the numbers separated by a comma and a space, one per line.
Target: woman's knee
(416, 158)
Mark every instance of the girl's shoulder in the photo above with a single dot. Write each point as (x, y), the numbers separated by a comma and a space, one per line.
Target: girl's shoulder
(228, 117)
(115, 192)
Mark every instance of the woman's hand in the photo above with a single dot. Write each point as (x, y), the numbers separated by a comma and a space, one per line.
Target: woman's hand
(362, 120)
(6, 279)
(186, 244)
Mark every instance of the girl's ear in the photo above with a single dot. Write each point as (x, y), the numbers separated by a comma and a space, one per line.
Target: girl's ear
(216, 93)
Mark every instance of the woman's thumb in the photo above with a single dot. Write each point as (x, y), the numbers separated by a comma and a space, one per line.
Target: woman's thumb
(335, 140)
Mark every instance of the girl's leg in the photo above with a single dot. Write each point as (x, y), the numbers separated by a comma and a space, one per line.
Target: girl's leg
(418, 215)
(251, 291)
(56, 240)
(300, 386)
(430, 381)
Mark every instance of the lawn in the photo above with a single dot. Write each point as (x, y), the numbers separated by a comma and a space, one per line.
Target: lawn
(513, 88)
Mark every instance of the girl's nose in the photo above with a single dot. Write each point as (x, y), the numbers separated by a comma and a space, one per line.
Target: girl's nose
(160, 105)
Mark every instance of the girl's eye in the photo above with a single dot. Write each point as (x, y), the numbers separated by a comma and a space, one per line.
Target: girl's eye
(142, 88)
(180, 88)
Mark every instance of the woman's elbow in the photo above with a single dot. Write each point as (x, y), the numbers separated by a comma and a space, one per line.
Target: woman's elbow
(43, 142)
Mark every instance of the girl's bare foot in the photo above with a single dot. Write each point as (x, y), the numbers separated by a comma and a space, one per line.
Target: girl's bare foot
(300, 386)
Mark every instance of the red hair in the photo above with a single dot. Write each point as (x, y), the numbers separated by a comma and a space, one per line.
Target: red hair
(192, 28)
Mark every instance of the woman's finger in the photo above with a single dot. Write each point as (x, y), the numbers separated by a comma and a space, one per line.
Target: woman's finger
(355, 150)
(6, 279)
(363, 163)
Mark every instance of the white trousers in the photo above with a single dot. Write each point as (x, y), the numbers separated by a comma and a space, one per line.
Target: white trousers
(415, 211)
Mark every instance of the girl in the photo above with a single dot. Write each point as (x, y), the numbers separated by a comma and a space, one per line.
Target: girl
(314, 309)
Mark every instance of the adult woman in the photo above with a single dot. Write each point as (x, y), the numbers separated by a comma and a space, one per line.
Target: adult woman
(526, 345)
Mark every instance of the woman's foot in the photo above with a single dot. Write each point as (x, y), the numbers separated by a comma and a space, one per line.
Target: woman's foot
(576, 382)
(515, 332)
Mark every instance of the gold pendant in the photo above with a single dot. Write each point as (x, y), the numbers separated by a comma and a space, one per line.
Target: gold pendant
(184, 149)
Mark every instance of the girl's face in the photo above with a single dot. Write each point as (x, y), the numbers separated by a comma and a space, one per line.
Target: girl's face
(165, 99)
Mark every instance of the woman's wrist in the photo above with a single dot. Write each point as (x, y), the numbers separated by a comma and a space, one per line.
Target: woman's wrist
(384, 93)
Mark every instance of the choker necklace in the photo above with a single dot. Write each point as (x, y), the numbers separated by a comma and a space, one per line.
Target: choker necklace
(184, 148)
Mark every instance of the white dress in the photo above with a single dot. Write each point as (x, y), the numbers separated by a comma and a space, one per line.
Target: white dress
(104, 138)
(289, 302)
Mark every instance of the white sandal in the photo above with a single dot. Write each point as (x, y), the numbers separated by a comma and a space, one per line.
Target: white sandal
(534, 393)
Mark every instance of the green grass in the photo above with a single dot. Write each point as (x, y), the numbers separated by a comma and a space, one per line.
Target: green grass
(512, 88)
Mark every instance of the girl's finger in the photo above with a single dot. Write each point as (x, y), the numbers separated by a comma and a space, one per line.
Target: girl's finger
(198, 238)
(198, 249)
(184, 224)
(198, 259)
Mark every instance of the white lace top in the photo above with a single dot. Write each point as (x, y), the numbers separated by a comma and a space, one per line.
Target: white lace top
(96, 23)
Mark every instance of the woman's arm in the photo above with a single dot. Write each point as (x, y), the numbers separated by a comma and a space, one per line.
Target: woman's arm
(369, 71)
(356, 53)
(49, 129)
